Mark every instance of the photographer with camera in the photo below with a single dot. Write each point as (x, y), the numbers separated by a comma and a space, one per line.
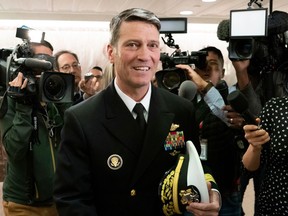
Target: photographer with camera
(31, 136)
(68, 62)
(244, 85)
(265, 57)
(220, 126)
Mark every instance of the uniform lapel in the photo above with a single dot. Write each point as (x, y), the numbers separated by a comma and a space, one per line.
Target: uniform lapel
(159, 123)
(123, 126)
(119, 120)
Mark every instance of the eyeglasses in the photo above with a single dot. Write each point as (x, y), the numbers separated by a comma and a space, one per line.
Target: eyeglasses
(66, 68)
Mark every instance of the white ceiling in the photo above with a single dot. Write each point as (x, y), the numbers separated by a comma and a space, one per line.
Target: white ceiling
(104, 10)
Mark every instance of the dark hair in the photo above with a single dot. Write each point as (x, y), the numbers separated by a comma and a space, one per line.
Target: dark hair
(97, 68)
(216, 51)
(132, 14)
(44, 43)
(61, 52)
(47, 44)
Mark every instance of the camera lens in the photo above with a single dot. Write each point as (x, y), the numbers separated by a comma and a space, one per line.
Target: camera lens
(54, 87)
(244, 48)
(171, 80)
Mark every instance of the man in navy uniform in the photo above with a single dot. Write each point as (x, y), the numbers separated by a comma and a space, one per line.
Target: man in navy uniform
(104, 165)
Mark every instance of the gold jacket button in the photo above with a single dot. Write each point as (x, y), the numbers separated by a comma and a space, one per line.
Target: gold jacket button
(133, 192)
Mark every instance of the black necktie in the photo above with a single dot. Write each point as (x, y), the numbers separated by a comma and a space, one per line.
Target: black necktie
(139, 110)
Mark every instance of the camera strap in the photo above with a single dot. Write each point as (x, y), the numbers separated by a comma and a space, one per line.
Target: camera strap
(34, 139)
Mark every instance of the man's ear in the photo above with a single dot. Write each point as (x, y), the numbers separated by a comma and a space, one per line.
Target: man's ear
(110, 53)
(223, 73)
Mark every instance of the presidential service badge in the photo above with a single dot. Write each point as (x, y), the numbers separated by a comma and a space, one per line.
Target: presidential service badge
(184, 183)
(114, 162)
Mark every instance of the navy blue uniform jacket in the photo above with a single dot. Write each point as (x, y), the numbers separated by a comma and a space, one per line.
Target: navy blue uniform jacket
(103, 126)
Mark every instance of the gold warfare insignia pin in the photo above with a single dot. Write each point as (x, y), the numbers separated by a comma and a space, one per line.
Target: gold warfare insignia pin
(174, 153)
(115, 162)
(174, 127)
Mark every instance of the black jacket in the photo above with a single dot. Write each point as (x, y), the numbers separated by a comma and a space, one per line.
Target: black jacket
(102, 126)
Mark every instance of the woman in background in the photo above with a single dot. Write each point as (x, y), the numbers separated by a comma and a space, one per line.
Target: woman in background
(269, 149)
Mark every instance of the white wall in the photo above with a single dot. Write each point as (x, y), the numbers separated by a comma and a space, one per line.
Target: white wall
(89, 39)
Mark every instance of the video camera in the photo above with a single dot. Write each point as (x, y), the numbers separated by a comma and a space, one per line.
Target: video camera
(248, 29)
(263, 39)
(252, 34)
(43, 82)
(170, 77)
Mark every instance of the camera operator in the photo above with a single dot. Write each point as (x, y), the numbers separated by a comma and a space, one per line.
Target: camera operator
(31, 136)
(68, 62)
(220, 126)
(244, 84)
(207, 79)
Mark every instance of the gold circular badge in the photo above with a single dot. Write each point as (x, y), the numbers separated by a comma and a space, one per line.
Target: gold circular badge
(115, 162)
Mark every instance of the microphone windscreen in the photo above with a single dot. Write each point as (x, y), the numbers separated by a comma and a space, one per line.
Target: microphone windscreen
(38, 64)
(187, 90)
(222, 87)
(223, 30)
(238, 101)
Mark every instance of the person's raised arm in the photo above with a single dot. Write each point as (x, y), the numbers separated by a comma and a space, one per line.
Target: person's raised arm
(256, 138)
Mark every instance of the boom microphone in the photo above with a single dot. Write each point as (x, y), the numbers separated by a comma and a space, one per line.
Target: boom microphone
(35, 63)
(187, 90)
(223, 30)
(239, 103)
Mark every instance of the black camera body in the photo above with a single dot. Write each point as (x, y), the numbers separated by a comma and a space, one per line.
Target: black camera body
(248, 30)
(261, 38)
(196, 58)
(47, 85)
(255, 35)
(56, 87)
(170, 78)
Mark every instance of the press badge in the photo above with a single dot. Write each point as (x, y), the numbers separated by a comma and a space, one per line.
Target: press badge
(204, 146)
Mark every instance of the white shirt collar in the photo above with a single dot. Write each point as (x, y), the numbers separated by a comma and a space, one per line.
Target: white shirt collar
(130, 103)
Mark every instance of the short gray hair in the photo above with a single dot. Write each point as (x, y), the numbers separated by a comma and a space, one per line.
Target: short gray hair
(132, 14)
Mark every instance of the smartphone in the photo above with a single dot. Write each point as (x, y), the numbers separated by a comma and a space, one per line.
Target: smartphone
(88, 76)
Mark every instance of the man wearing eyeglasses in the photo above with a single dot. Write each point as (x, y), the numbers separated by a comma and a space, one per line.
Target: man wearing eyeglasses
(68, 62)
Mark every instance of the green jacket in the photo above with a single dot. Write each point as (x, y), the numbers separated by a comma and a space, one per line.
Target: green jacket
(31, 152)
